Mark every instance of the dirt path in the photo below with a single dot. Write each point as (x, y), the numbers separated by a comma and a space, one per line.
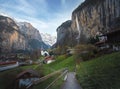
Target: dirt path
(71, 82)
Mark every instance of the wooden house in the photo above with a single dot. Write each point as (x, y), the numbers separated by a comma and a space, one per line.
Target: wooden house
(112, 39)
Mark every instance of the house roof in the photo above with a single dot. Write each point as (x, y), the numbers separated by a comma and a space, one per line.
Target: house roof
(113, 31)
(30, 71)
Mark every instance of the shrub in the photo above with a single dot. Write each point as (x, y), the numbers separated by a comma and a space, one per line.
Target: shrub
(93, 40)
(60, 50)
(84, 52)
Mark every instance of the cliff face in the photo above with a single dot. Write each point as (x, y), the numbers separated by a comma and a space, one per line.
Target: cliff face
(65, 35)
(10, 38)
(91, 18)
(32, 35)
(94, 17)
(18, 37)
(28, 30)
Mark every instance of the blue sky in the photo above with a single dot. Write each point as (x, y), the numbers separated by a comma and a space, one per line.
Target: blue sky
(45, 15)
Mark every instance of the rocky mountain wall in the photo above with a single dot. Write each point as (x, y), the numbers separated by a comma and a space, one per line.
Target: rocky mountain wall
(94, 17)
(18, 37)
(91, 18)
(28, 30)
(10, 38)
(66, 35)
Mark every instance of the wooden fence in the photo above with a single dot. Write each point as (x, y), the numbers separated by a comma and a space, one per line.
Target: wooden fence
(63, 71)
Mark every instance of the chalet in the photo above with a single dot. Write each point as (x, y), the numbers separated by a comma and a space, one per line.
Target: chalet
(111, 40)
(48, 59)
(102, 44)
(113, 36)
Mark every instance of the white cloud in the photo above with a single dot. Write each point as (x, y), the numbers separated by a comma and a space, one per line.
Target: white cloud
(45, 26)
(27, 7)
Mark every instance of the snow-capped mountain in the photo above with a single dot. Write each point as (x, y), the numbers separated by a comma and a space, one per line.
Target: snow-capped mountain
(48, 39)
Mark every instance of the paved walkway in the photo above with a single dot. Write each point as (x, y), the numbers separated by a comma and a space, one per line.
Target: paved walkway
(71, 82)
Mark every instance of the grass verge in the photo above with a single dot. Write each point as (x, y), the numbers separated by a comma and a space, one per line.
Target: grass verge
(100, 73)
(61, 62)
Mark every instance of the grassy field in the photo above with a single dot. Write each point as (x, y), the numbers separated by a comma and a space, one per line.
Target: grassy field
(100, 73)
(7, 77)
(60, 63)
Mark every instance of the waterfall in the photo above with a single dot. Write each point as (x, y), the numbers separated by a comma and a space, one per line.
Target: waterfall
(78, 28)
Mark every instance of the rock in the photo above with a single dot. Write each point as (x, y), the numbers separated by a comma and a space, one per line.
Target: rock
(89, 19)
(28, 30)
(11, 38)
(19, 37)
(65, 35)
(95, 16)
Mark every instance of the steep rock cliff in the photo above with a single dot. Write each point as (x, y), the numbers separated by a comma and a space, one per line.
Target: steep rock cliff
(91, 18)
(28, 30)
(94, 17)
(10, 38)
(32, 35)
(18, 37)
(66, 36)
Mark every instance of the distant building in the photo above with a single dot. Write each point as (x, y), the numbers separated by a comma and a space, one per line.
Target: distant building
(48, 59)
(44, 53)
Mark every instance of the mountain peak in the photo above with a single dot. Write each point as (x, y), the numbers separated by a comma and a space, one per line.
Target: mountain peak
(48, 39)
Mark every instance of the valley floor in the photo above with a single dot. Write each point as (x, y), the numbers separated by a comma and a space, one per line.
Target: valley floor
(98, 73)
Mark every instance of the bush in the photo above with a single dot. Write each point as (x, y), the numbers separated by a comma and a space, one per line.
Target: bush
(93, 40)
(60, 50)
(84, 52)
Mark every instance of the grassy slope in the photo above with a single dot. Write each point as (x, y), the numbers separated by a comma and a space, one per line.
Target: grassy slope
(7, 77)
(100, 73)
(61, 62)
